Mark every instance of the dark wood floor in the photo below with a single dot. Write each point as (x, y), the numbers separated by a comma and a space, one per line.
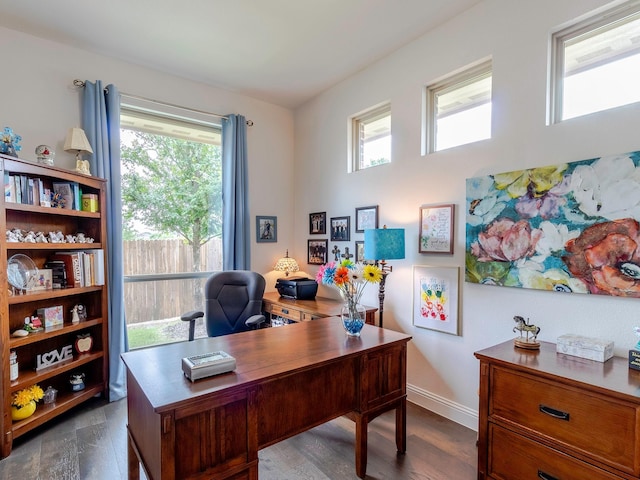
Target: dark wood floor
(90, 443)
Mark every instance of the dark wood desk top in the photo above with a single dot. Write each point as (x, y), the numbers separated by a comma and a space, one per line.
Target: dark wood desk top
(260, 354)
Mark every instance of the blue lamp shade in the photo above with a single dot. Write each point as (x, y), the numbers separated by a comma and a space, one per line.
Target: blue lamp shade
(384, 244)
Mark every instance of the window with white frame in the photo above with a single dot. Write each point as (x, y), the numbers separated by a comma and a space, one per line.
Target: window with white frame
(459, 109)
(595, 64)
(371, 134)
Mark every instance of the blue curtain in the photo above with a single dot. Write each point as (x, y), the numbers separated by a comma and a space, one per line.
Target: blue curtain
(236, 231)
(101, 123)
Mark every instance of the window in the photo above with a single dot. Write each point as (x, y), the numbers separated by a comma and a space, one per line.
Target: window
(596, 64)
(371, 133)
(172, 220)
(459, 109)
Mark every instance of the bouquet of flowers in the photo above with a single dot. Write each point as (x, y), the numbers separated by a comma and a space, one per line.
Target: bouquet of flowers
(23, 397)
(10, 142)
(350, 279)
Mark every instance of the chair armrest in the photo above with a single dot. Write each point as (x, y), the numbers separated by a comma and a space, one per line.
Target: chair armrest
(255, 320)
(191, 316)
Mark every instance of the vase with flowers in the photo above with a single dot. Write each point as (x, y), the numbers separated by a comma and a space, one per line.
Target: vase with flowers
(23, 402)
(350, 279)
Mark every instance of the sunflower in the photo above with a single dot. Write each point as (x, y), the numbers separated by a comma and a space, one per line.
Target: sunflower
(372, 273)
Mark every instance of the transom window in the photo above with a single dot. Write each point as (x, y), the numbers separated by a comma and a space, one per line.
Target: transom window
(459, 109)
(371, 133)
(596, 64)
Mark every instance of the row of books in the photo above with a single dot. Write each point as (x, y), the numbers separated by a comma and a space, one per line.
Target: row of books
(32, 191)
(77, 269)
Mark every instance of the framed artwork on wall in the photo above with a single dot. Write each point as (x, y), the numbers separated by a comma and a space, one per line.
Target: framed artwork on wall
(366, 218)
(436, 229)
(317, 252)
(435, 298)
(318, 223)
(266, 229)
(359, 251)
(340, 229)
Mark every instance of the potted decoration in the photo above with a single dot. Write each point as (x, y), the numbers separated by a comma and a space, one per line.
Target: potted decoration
(350, 279)
(23, 402)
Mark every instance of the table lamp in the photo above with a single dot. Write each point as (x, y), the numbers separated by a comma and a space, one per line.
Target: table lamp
(286, 264)
(77, 142)
(380, 245)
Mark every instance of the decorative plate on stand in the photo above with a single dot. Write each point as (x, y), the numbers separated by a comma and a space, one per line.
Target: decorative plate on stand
(22, 273)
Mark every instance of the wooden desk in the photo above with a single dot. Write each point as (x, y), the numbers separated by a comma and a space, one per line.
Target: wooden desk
(305, 310)
(287, 380)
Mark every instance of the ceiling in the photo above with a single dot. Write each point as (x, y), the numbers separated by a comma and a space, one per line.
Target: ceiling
(280, 51)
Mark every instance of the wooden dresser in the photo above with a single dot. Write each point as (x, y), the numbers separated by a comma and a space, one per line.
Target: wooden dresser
(551, 416)
(305, 310)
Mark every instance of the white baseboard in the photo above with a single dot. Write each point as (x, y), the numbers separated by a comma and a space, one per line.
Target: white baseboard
(444, 407)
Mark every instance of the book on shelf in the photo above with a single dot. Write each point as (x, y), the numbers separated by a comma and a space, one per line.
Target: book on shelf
(82, 268)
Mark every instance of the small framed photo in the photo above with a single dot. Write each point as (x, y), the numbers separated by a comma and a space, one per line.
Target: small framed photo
(318, 223)
(435, 298)
(340, 229)
(266, 229)
(317, 252)
(359, 251)
(436, 229)
(366, 218)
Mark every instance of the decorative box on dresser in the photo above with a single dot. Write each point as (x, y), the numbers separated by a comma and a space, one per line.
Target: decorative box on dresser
(550, 416)
(92, 365)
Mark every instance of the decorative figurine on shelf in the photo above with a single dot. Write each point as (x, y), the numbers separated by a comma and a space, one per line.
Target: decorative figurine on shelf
(76, 381)
(527, 341)
(10, 142)
(45, 154)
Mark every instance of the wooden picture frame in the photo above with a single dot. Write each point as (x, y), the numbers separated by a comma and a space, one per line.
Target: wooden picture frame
(436, 228)
(317, 251)
(318, 223)
(359, 251)
(366, 218)
(435, 298)
(266, 229)
(340, 229)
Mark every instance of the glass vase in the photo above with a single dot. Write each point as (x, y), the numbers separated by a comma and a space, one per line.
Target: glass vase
(353, 317)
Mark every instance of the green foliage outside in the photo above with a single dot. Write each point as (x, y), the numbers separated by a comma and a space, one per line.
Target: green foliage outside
(171, 188)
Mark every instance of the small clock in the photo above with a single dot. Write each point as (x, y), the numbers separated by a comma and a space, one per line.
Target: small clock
(84, 343)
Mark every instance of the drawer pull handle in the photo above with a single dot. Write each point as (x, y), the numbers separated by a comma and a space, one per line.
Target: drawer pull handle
(284, 310)
(554, 413)
(545, 476)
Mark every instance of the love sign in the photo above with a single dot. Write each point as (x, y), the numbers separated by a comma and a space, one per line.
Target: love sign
(45, 360)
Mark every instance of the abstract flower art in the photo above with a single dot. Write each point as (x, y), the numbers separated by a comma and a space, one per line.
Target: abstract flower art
(568, 228)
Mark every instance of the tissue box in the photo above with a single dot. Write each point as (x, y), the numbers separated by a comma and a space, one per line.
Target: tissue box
(585, 347)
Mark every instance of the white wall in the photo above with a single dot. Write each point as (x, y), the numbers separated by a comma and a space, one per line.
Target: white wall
(443, 372)
(40, 103)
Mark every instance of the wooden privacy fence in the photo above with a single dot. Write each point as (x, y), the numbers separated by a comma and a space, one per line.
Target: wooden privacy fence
(163, 299)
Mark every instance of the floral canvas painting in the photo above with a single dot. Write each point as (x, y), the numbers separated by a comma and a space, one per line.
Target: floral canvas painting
(572, 227)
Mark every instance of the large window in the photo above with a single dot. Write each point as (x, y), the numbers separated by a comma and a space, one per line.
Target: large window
(596, 64)
(172, 220)
(371, 134)
(459, 109)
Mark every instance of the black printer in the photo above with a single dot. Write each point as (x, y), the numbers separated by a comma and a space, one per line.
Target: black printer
(300, 288)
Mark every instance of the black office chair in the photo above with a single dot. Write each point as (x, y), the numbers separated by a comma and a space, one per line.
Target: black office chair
(233, 303)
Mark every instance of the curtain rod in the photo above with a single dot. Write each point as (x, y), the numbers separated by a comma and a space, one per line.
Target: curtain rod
(80, 83)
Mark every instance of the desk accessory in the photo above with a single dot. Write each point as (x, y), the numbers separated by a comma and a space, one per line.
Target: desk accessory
(207, 364)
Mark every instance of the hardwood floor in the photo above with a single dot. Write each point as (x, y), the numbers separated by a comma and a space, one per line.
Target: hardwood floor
(89, 443)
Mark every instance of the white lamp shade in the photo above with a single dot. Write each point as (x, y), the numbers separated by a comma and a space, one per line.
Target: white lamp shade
(77, 141)
(286, 264)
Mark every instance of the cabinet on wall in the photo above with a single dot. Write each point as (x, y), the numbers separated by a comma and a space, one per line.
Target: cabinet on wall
(552, 416)
(45, 348)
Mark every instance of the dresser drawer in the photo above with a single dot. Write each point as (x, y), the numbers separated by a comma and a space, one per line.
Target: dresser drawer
(589, 425)
(514, 457)
(286, 312)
